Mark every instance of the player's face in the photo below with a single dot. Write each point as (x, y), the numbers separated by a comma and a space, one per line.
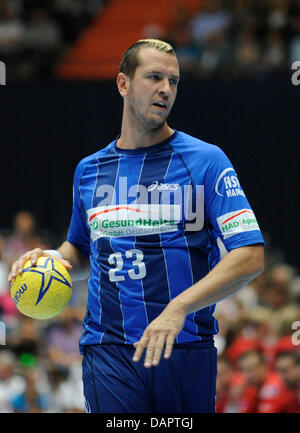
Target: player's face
(152, 90)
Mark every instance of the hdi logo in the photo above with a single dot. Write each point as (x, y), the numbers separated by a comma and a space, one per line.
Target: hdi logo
(2, 74)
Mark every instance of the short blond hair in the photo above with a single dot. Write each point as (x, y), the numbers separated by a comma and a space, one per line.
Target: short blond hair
(130, 60)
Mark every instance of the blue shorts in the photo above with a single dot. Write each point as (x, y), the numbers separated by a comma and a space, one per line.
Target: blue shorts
(186, 382)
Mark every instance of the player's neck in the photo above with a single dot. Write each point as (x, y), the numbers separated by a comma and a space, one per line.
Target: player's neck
(132, 138)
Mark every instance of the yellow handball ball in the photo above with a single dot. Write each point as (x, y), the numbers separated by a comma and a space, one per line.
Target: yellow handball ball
(42, 291)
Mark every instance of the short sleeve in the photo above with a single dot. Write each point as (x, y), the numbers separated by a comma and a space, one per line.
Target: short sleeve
(78, 234)
(226, 207)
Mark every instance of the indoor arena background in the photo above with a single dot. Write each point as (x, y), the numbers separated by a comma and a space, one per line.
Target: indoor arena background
(59, 103)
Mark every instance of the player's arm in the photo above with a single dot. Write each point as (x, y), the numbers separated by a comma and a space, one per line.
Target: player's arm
(72, 254)
(234, 271)
(80, 264)
(67, 254)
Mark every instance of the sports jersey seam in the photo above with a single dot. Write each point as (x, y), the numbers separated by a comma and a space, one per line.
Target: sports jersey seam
(164, 255)
(98, 253)
(142, 285)
(190, 174)
(99, 280)
(110, 241)
(164, 146)
(192, 181)
(191, 268)
(212, 391)
(96, 157)
(185, 166)
(94, 382)
(193, 184)
(192, 275)
(82, 209)
(119, 295)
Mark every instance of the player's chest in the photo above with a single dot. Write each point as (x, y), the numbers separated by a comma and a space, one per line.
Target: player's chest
(140, 195)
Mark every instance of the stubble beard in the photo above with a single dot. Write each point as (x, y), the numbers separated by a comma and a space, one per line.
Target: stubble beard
(147, 126)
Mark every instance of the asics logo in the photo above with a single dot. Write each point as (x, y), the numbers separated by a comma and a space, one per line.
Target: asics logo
(163, 186)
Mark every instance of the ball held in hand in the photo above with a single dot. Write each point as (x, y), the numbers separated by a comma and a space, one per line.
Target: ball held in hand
(42, 291)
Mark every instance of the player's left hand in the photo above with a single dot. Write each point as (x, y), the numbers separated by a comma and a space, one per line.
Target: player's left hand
(160, 333)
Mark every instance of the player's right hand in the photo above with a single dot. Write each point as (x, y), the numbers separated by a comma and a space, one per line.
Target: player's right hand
(33, 255)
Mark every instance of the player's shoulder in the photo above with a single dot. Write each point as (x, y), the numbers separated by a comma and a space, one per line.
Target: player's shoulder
(186, 143)
(91, 159)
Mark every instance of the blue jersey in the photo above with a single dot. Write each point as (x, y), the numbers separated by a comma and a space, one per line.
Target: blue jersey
(153, 222)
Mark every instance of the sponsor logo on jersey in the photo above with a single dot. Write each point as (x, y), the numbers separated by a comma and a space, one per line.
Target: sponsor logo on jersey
(133, 220)
(228, 184)
(163, 186)
(187, 197)
(240, 221)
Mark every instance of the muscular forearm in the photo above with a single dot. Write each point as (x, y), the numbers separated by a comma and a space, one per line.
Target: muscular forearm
(80, 265)
(233, 272)
(70, 253)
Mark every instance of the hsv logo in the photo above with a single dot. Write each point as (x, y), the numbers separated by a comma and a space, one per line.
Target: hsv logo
(230, 185)
(240, 221)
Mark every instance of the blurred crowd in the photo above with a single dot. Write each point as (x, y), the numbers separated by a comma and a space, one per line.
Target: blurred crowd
(228, 38)
(234, 38)
(34, 34)
(258, 343)
(40, 365)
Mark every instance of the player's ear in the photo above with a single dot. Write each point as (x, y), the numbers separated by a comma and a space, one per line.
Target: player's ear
(123, 83)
